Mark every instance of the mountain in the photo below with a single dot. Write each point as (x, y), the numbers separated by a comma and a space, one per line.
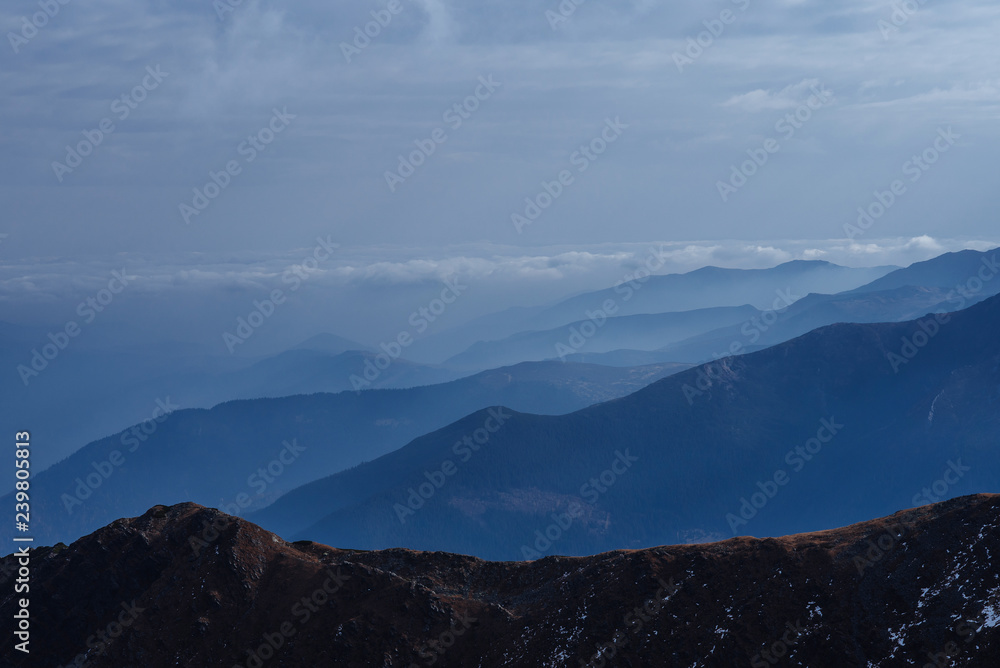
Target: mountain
(100, 391)
(947, 283)
(189, 586)
(600, 333)
(256, 450)
(623, 357)
(439, 346)
(951, 271)
(96, 391)
(330, 344)
(809, 313)
(304, 371)
(846, 422)
(639, 293)
(715, 286)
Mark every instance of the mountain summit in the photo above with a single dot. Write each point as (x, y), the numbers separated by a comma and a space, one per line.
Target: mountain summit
(190, 586)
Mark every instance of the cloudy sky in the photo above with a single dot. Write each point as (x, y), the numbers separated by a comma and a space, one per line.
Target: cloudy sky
(116, 112)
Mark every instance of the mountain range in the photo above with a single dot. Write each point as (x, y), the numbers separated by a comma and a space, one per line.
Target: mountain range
(357, 439)
(946, 283)
(642, 293)
(832, 427)
(244, 454)
(190, 586)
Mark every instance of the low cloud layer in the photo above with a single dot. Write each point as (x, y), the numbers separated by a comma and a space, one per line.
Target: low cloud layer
(367, 292)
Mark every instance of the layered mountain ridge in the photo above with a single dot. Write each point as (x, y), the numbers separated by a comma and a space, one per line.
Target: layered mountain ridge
(907, 400)
(186, 585)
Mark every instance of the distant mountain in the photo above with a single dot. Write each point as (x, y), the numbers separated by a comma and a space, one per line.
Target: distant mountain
(809, 313)
(951, 271)
(440, 346)
(102, 391)
(885, 409)
(600, 333)
(714, 286)
(623, 357)
(330, 344)
(305, 371)
(189, 586)
(262, 448)
(947, 283)
(97, 391)
(708, 287)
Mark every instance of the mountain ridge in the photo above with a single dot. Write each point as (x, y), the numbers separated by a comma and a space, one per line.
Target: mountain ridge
(190, 453)
(193, 586)
(736, 419)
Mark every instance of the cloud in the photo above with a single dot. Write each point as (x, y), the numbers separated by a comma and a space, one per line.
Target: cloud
(575, 267)
(964, 94)
(440, 27)
(788, 97)
(355, 119)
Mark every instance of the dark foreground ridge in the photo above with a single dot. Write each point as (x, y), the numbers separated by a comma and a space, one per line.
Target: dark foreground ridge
(190, 586)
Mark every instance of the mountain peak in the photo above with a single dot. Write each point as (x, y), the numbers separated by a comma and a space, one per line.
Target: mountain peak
(884, 592)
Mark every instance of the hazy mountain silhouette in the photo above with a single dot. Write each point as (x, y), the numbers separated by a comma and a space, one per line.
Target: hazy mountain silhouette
(947, 283)
(908, 403)
(601, 333)
(100, 391)
(948, 272)
(214, 456)
(708, 287)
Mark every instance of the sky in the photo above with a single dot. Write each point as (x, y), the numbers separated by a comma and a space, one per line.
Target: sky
(206, 146)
